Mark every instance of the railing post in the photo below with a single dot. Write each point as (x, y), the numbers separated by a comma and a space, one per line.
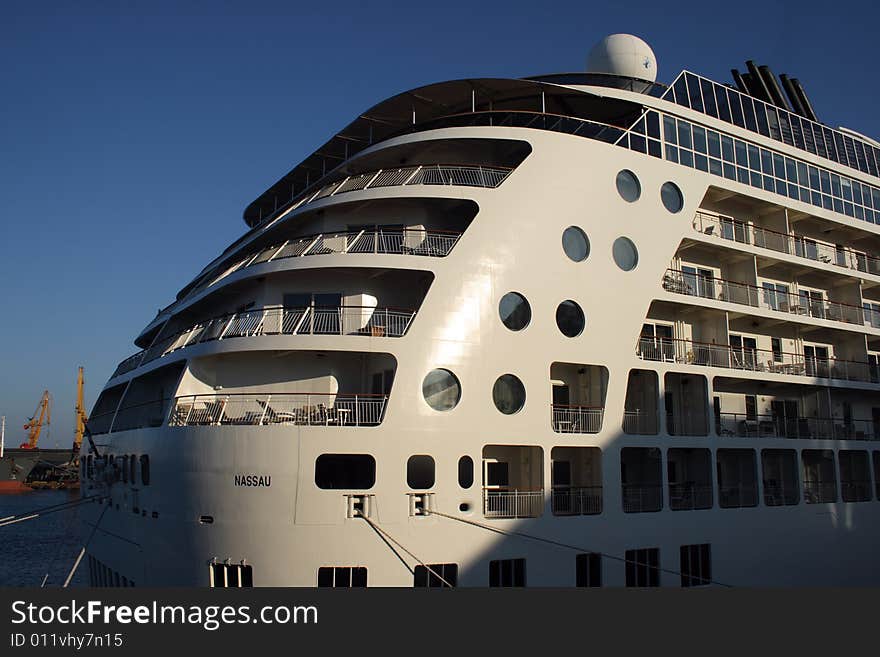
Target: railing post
(357, 415)
(265, 408)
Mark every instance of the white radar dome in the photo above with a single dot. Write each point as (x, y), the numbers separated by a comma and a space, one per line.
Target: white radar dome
(623, 54)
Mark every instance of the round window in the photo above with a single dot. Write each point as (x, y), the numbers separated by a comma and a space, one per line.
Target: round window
(575, 244)
(628, 186)
(441, 390)
(671, 196)
(509, 394)
(570, 318)
(515, 311)
(625, 254)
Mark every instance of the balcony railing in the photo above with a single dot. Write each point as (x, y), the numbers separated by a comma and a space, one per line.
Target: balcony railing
(759, 297)
(577, 419)
(280, 320)
(300, 409)
(407, 241)
(780, 426)
(424, 174)
(639, 498)
(512, 503)
(689, 496)
(133, 416)
(855, 490)
(640, 422)
(577, 500)
(675, 350)
(803, 247)
(817, 492)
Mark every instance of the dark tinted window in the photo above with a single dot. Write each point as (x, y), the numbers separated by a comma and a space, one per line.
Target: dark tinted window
(420, 472)
(346, 471)
(465, 472)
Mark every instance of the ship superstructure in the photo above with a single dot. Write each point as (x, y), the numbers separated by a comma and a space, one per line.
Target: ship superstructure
(639, 321)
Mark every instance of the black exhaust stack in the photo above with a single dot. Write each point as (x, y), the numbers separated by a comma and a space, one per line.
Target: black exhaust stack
(792, 95)
(758, 84)
(805, 101)
(739, 81)
(773, 87)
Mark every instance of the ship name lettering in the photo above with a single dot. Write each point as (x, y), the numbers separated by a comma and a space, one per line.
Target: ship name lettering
(253, 480)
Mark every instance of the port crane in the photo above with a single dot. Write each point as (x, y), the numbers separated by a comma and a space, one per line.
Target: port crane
(34, 426)
(81, 417)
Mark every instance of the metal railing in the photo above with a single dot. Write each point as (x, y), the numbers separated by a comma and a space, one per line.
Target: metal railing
(639, 498)
(736, 496)
(405, 241)
(855, 490)
(512, 503)
(775, 495)
(690, 352)
(747, 294)
(301, 409)
(735, 230)
(576, 500)
(576, 419)
(640, 423)
(817, 492)
(425, 174)
(780, 426)
(279, 320)
(689, 496)
(694, 424)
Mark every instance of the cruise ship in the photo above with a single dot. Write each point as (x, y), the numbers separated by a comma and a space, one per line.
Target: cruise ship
(570, 330)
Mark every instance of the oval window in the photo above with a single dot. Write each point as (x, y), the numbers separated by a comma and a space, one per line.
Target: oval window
(570, 318)
(671, 197)
(575, 244)
(509, 394)
(628, 186)
(625, 254)
(515, 311)
(465, 472)
(441, 390)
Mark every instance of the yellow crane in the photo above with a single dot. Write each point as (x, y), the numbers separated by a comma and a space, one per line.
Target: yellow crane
(34, 425)
(80, 413)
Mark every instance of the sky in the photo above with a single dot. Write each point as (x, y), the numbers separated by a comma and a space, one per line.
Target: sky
(133, 134)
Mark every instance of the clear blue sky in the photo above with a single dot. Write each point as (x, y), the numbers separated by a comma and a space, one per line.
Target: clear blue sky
(132, 135)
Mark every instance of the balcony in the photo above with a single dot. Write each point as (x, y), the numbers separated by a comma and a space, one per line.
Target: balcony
(577, 419)
(426, 174)
(298, 409)
(758, 297)
(689, 497)
(734, 230)
(675, 350)
(640, 423)
(279, 320)
(576, 500)
(778, 426)
(512, 503)
(393, 241)
(641, 498)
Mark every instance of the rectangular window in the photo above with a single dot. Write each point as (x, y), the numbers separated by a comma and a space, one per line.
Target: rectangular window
(780, 471)
(345, 577)
(696, 565)
(776, 346)
(507, 573)
(436, 576)
(588, 569)
(643, 567)
(234, 576)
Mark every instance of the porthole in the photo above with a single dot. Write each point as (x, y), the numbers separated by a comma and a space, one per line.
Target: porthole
(575, 244)
(628, 186)
(671, 197)
(625, 254)
(465, 472)
(441, 390)
(464, 507)
(515, 311)
(570, 318)
(509, 394)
